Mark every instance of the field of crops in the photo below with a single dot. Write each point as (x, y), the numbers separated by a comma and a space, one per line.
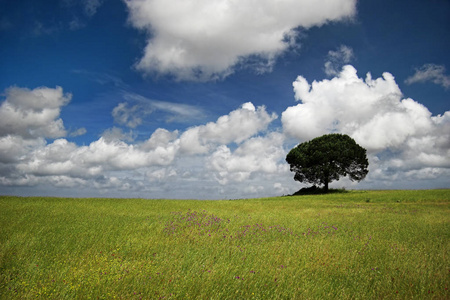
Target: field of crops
(353, 245)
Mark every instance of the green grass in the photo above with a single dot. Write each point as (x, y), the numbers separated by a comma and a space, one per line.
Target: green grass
(355, 245)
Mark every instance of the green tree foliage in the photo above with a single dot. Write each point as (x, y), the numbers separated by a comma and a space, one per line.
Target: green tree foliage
(327, 158)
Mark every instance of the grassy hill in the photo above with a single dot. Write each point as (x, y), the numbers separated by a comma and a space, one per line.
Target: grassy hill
(355, 245)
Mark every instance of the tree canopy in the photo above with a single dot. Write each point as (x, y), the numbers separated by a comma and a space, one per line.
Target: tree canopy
(327, 158)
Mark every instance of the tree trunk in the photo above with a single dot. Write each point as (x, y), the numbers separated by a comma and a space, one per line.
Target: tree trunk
(326, 177)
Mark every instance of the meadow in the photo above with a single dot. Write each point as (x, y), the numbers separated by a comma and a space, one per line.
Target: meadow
(352, 245)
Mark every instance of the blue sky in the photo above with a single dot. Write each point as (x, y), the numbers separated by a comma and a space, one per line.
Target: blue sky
(203, 99)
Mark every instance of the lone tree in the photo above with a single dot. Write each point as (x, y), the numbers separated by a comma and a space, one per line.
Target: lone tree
(327, 158)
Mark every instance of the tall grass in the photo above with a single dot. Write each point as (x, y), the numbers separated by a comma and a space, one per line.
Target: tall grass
(355, 245)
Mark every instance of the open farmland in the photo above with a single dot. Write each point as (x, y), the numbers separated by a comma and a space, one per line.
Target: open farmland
(353, 245)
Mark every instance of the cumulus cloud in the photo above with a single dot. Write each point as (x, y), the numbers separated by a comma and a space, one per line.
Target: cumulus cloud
(235, 127)
(205, 40)
(29, 117)
(236, 155)
(100, 158)
(336, 59)
(33, 113)
(117, 162)
(14, 148)
(430, 72)
(115, 133)
(258, 155)
(399, 134)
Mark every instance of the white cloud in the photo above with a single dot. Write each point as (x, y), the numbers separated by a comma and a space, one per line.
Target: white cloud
(336, 59)
(401, 135)
(234, 157)
(236, 127)
(430, 72)
(14, 148)
(206, 39)
(33, 113)
(118, 155)
(161, 174)
(117, 134)
(259, 155)
(160, 138)
(347, 103)
(98, 159)
(116, 162)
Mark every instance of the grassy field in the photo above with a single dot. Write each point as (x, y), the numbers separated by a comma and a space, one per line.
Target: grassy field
(354, 245)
